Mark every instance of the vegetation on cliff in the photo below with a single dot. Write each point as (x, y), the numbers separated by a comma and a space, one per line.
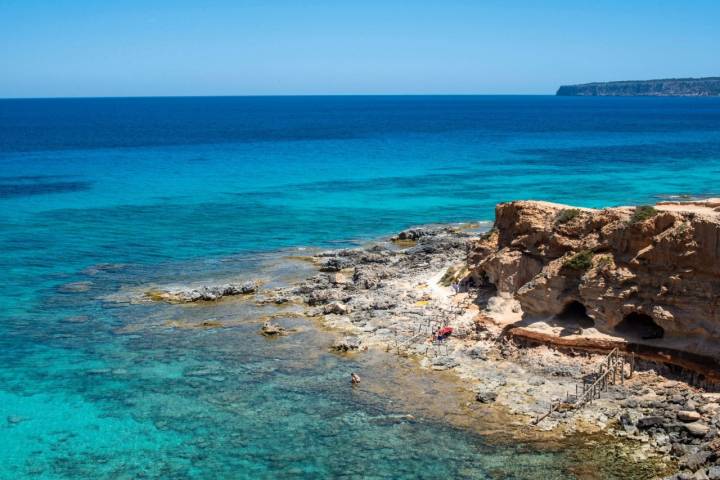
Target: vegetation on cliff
(566, 215)
(642, 213)
(580, 261)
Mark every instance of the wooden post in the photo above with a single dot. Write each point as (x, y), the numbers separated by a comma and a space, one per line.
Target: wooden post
(609, 359)
(614, 372)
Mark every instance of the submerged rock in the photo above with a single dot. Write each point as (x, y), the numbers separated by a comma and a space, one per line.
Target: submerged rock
(271, 330)
(346, 344)
(184, 325)
(15, 419)
(391, 419)
(75, 287)
(103, 267)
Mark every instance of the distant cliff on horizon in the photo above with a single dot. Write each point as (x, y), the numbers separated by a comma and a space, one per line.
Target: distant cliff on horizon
(669, 87)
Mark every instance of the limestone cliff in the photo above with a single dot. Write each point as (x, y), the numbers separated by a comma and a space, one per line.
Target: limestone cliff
(647, 274)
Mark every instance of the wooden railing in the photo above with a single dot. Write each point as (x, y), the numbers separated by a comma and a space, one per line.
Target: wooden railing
(608, 372)
(422, 331)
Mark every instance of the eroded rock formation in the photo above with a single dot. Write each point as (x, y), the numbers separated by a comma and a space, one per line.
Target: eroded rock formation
(649, 274)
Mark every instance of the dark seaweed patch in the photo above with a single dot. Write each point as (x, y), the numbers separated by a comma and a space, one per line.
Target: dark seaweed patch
(639, 153)
(31, 178)
(28, 189)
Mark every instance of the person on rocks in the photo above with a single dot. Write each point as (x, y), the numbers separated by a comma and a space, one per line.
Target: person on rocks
(354, 378)
(442, 333)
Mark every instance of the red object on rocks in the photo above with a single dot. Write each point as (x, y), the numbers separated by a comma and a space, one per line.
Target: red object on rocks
(444, 332)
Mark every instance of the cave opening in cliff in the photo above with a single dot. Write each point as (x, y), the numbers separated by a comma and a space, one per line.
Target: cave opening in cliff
(640, 325)
(575, 313)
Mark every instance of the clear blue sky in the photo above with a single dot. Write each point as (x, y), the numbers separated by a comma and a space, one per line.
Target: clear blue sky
(223, 47)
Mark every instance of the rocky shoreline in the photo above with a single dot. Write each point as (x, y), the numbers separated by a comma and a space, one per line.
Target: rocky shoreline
(395, 295)
(398, 294)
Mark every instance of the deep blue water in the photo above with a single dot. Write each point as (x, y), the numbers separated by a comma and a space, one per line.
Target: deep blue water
(126, 193)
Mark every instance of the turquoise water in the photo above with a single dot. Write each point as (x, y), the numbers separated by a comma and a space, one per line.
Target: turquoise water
(122, 194)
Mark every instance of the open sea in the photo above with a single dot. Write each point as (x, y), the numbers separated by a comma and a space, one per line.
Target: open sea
(100, 198)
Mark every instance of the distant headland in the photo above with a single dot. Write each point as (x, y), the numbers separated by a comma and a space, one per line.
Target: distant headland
(669, 87)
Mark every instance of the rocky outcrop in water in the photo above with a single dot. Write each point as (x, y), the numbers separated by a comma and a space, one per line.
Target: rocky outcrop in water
(202, 294)
(346, 344)
(270, 329)
(649, 274)
(685, 87)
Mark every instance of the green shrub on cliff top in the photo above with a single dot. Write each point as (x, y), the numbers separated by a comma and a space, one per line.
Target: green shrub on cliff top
(642, 213)
(580, 261)
(566, 215)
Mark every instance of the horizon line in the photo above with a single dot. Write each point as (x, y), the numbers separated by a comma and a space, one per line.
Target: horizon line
(99, 97)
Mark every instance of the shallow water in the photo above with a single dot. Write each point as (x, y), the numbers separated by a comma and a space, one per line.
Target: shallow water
(138, 398)
(101, 199)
